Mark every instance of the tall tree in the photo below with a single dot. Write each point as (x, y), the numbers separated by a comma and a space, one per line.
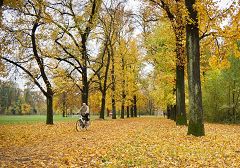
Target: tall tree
(108, 18)
(116, 26)
(113, 88)
(175, 15)
(76, 24)
(33, 10)
(84, 37)
(135, 105)
(105, 85)
(161, 54)
(196, 126)
(123, 82)
(103, 74)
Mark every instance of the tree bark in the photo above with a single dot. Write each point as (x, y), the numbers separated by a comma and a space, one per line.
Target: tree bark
(85, 87)
(174, 112)
(123, 88)
(135, 105)
(168, 111)
(49, 109)
(196, 126)
(122, 111)
(64, 108)
(49, 94)
(132, 111)
(128, 111)
(176, 20)
(181, 117)
(233, 102)
(229, 100)
(104, 88)
(84, 37)
(114, 116)
(103, 105)
(1, 4)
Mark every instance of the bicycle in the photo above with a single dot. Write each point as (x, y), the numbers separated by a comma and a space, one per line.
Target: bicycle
(82, 123)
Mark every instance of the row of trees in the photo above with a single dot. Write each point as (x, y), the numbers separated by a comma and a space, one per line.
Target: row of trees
(70, 49)
(183, 18)
(203, 24)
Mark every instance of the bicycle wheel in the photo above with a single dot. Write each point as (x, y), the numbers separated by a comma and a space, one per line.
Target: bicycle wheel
(79, 125)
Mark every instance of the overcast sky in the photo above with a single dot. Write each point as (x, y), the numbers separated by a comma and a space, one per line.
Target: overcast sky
(134, 4)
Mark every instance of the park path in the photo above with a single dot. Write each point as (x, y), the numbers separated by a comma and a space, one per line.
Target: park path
(136, 142)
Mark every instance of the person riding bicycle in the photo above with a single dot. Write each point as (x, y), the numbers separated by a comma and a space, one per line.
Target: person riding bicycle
(84, 112)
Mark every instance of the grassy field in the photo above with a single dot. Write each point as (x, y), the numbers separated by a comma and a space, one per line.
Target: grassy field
(7, 119)
(24, 119)
(135, 142)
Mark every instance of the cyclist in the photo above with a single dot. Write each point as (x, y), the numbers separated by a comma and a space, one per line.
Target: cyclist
(84, 112)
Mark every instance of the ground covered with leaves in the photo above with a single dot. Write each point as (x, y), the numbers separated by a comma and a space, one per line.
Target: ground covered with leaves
(138, 142)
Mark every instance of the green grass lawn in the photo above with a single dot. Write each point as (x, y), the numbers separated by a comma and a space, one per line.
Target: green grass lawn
(10, 119)
(28, 119)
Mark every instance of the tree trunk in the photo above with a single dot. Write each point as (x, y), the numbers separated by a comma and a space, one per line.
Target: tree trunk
(104, 89)
(174, 109)
(122, 111)
(49, 109)
(181, 117)
(103, 104)
(196, 126)
(150, 106)
(96, 4)
(113, 89)
(84, 70)
(85, 86)
(123, 87)
(63, 113)
(49, 94)
(180, 110)
(168, 111)
(123, 104)
(135, 105)
(176, 19)
(229, 100)
(114, 115)
(128, 111)
(233, 102)
(132, 111)
(1, 4)
(64, 108)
